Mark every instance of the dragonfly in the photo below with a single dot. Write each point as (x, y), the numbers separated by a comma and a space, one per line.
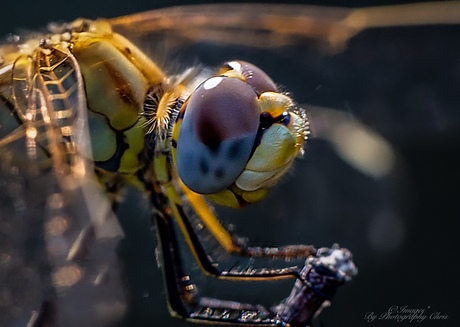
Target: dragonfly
(67, 154)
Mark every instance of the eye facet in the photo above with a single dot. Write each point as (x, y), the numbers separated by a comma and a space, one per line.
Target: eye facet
(251, 74)
(217, 134)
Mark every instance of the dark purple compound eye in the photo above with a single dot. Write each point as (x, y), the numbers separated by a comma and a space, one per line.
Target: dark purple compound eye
(217, 134)
(254, 76)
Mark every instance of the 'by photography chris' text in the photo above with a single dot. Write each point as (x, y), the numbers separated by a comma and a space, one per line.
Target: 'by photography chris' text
(404, 313)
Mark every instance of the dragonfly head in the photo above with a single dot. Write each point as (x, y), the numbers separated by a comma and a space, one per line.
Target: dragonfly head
(236, 136)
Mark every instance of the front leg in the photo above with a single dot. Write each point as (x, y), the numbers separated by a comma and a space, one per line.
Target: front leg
(233, 243)
(317, 282)
(229, 242)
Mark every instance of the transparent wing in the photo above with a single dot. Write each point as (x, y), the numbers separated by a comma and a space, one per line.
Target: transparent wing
(274, 26)
(58, 234)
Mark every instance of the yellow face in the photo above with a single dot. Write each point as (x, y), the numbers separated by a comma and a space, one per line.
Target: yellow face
(237, 135)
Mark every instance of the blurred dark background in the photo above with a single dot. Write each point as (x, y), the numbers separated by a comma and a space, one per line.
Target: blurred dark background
(402, 228)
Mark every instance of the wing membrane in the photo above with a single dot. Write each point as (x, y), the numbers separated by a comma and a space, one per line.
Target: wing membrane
(56, 222)
(269, 26)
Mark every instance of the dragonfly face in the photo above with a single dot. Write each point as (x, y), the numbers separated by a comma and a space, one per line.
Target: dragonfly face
(85, 112)
(236, 136)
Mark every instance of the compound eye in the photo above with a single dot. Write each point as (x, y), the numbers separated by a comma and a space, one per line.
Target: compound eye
(252, 74)
(217, 134)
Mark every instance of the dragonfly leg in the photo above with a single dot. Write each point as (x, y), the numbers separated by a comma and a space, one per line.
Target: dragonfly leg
(317, 283)
(183, 298)
(234, 244)
(230, 243)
